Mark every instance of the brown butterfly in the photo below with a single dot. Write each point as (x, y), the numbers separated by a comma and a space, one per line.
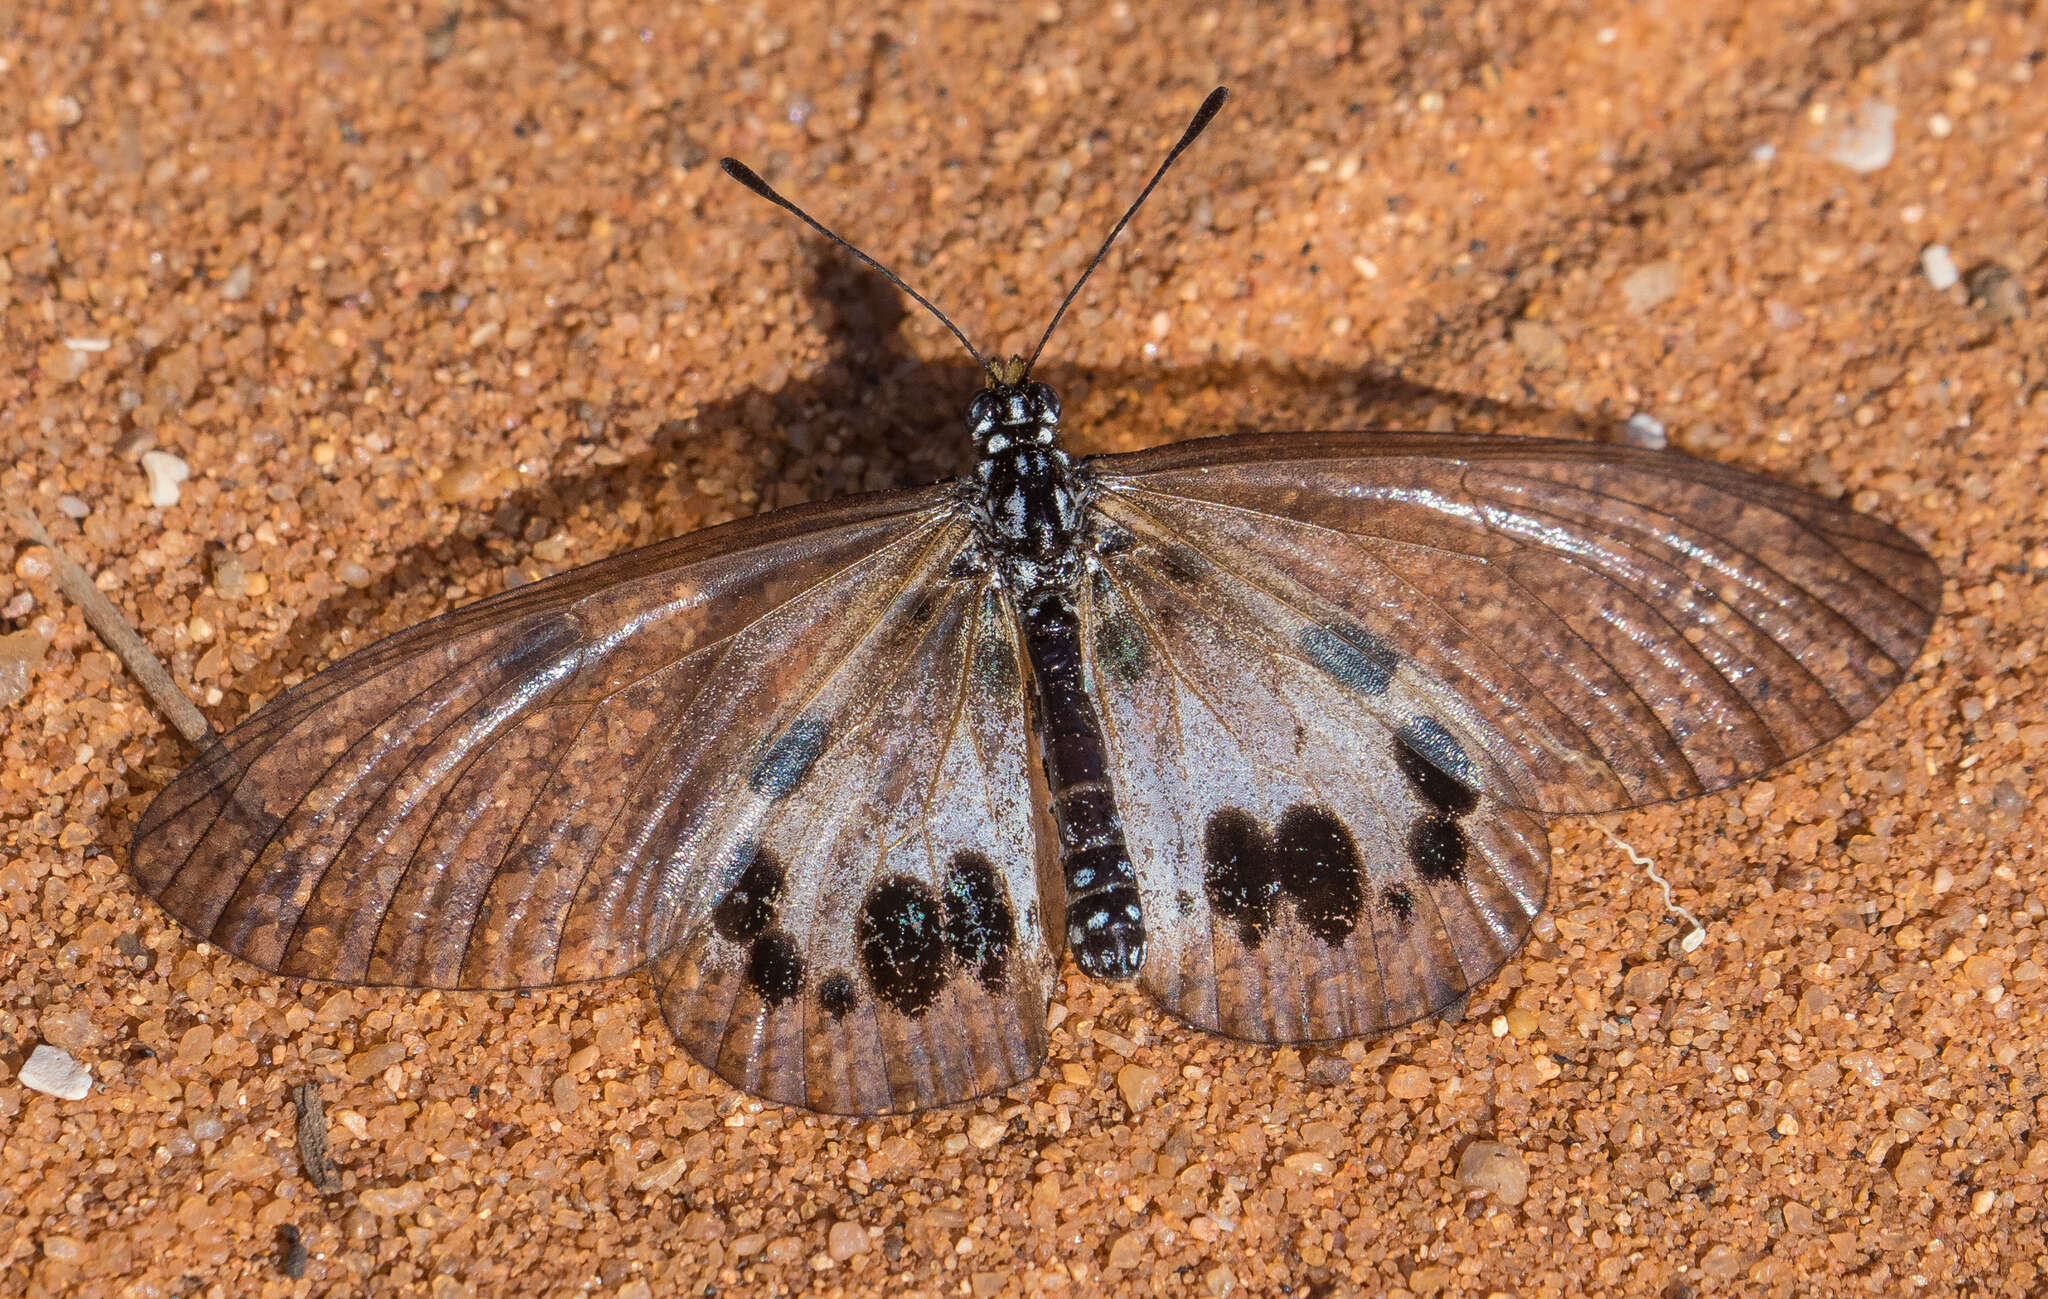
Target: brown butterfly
(1266, 723)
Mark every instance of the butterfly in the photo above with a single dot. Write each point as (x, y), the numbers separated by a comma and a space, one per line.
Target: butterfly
(1267, 724)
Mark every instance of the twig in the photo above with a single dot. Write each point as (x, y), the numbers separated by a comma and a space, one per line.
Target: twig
(1694, 937)
(113, 629)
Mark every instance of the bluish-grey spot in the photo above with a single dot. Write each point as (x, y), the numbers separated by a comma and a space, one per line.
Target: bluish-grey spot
(1427, 737)
(789, 759)
(1351, 655)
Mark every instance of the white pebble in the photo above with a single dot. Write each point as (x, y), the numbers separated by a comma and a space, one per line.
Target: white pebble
(88, 344)
(165, 472)
(1865, 142)
(1939, 267)
(1651, 286)
(1645, 430)
(55, 1073)
(72, 507)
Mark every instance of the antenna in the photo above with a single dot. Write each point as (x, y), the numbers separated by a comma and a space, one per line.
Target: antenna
(1210, 107)
(746, 175)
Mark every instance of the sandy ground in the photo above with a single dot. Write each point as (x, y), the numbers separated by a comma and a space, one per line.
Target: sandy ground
(432, 299)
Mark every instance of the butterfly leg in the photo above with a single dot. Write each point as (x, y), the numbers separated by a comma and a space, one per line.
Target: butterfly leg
(1105, 923)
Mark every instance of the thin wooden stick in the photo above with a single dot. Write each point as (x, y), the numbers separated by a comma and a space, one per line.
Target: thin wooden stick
(113, 629)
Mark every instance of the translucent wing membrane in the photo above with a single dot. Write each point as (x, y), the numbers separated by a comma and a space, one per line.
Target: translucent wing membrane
(1606, 626)
(1340, 672)
(879, 942)
(429, 811)
(1310, 869)
(786, 756)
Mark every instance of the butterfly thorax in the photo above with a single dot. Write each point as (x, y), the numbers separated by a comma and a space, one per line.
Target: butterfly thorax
(1029, 502)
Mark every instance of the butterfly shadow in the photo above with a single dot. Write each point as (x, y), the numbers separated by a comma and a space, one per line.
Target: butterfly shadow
(886, 417)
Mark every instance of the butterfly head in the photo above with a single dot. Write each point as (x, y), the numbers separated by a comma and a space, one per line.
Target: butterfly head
(1013, 408)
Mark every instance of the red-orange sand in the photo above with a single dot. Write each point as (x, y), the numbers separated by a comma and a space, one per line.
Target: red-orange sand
(433, 298)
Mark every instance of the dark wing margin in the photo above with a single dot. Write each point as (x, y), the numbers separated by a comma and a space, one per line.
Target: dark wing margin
(496, 798)
(1610, 626)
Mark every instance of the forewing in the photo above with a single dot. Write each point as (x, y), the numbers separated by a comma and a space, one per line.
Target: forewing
(1605, 626)
(1309, 869)
(876, 940)
(506, 796)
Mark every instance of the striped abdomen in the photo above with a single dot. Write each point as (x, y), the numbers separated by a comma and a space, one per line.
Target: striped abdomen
(1105, 924)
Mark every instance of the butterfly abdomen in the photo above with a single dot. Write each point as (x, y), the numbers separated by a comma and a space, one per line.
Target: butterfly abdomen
(1105, 923)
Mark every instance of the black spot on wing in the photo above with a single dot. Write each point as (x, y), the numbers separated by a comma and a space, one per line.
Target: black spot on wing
(1438, 848)
(1315, 860)
(1438, 788)
(789, 759)
(836, 996)
(775, 969)
(1239, 878)
(1351, 655)
(1398, 901)
(748, 908)
(980, 927)
(902, 951)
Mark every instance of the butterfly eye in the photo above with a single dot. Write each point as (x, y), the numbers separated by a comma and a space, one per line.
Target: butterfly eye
(981, 413)
(1043, 400)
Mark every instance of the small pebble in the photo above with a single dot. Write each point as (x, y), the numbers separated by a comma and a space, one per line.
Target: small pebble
(1649, 287)
(20, 652)
(985, 1130)
(1645, 430)
(1939, 267)
(1497, 1169)
(1139, 1085)
(1722, 1262)
(391, 1201)
(1864, 143)
(846, 1240)
(1126, 1251)
(236, 286)
(1998, 293)
(230, 575)
(662, 1176)
(72, 508)
(1409, 1083)
(165, 472)
(55, 1073)
(1538, 343)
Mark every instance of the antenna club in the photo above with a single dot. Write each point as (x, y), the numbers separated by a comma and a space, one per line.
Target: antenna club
(1211, 105)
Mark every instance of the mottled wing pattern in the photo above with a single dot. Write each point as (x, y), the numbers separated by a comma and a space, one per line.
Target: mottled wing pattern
(1309, 869)
(878, 941)
(1340, 673)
